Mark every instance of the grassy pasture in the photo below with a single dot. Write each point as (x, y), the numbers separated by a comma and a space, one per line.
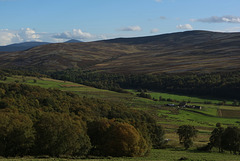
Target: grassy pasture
(207, 117)
(179, 98)
(192, 118)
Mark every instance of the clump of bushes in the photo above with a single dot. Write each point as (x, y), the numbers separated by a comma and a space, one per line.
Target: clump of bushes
(144, 95)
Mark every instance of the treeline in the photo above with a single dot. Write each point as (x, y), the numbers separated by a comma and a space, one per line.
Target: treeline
(9, 72)
(224, 85)
(37, 121)
(224, 139)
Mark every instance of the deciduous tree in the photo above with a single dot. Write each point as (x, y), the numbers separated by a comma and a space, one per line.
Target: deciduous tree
(216, 137)
(186, 133)
(230, 139)
(59, 134)
(111, 138)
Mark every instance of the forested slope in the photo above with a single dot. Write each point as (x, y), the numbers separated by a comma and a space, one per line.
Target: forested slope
(224, 85)
(37, 121)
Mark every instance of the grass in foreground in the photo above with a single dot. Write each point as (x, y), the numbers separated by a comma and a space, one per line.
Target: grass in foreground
(160, 155)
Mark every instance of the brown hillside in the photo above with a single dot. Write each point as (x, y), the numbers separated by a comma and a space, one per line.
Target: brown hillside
(193, 51)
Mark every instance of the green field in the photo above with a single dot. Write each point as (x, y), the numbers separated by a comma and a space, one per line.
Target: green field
(180, 98)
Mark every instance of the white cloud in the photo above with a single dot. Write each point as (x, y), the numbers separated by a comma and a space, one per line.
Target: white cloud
(185, 27)
(75, 34)
(28, 35)
(17, 36)
(158, 0)
(131, 28)
(8, 37)
(155, 30)
(216, 19)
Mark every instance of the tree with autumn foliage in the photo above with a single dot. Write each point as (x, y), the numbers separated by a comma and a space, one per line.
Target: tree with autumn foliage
(113, 138)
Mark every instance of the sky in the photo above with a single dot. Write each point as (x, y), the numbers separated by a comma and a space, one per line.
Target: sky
(90, 20)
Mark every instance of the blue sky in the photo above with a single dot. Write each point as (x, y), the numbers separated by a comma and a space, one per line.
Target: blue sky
(89, 20)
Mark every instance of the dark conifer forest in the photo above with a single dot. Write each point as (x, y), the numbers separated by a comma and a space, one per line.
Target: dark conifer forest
(224, 85)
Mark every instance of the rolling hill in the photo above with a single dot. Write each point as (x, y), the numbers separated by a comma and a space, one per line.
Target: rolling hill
(191, 51)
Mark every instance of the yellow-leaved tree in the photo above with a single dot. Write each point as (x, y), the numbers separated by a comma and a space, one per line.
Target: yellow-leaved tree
(112, 138)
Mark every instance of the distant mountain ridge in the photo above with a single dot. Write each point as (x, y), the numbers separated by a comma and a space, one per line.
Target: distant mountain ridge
(191, 51)
(21, 46)
(186, 37)
(72, 41)
(27, 45)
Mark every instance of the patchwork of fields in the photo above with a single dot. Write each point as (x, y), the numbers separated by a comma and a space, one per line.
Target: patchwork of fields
(226, 113)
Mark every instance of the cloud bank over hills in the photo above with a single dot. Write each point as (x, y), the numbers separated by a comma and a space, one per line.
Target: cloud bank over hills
(15, 36)
(27, 35)
(75, 34)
